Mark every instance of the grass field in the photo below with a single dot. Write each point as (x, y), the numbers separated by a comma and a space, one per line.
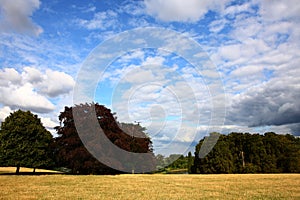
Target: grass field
(257, 186)
(12, 170)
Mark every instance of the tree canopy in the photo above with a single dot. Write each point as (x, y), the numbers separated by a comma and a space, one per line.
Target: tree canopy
(71, 153)
(174, 163)
(24, 141)
(250, 153)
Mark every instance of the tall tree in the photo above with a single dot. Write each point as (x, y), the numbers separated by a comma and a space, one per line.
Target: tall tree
(71, 152)
(24, 141)
(190, 162)
(250, 153)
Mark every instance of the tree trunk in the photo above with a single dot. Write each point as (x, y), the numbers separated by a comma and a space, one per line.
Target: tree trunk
(18, 169)
(34, 170)
(243, 159)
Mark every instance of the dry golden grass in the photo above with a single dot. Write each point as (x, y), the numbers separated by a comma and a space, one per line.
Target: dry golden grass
(23, 169)
(257, 186)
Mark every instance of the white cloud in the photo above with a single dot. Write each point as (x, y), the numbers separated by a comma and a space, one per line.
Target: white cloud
(139, 76)
(30, 89)
(56, 83)
(32, 75)
(156, 61)
(4, 112)
(163, 97)
(9, 76)
(48, 123)
(236, 9)
(217, 25)
(101, 20)
(230, 52)
(137, 54)
(89, 9)
(246, 27)
(247, 70)
(16, 16)
(133, 8)
(148, 71)
(25, 97)
(180, 10)
(279, 9)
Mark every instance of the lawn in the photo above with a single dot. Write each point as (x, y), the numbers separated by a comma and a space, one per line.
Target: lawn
(159, 186)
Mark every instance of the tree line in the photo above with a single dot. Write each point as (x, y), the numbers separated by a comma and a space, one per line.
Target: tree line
(250, 153)
(24, 142)
(174, 163)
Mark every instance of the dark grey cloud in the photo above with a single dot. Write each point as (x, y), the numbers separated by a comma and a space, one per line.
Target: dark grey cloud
(273, 103)
(295, 128)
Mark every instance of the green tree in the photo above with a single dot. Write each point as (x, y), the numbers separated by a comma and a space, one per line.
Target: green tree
(24, 141)
(272, 145)
(255, 153)
(250, 153)
(190, 162)
(289, 157)
(219, 160)
(160, 161)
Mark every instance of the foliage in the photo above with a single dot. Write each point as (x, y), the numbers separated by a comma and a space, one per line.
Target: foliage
(174, 162)
(70, 151)
(250, 153)
(24, 141)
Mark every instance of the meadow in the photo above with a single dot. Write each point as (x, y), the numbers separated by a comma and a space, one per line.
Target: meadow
(157, 186)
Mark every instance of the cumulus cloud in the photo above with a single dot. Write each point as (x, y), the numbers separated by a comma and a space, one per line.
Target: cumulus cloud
(31, 89)
(48, 123)
(56, 83)
(4, 112)
(180, 10)
(32, 75)
(9, 76)
(16, 16)
(25, 97)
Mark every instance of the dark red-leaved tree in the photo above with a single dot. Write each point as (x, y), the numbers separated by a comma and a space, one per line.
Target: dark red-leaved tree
(70, 147)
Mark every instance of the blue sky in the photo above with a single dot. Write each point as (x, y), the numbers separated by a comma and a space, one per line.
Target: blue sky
(247, 78)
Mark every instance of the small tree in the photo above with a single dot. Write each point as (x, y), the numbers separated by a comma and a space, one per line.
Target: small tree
(24, 141)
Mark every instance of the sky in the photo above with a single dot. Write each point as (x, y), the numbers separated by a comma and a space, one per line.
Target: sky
(180, 68)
